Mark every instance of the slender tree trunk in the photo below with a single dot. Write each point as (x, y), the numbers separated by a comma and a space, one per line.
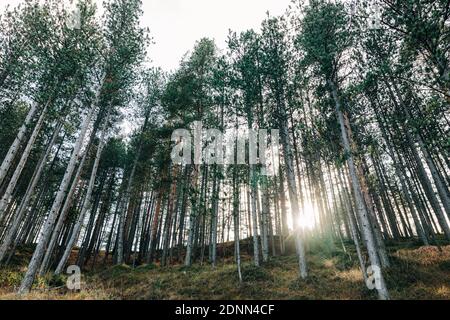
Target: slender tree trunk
(169, 216)
(124, 209)
(12, 152)
(154, 228)
(381, 249)
(86, 206)
(15, 178)
(215, 215)
(48, 227)
(421, 170)
(12, 230)
(62, 217)
(292, 187)
(354, 233)
(236, 222)
(361, 209)
(192, 218)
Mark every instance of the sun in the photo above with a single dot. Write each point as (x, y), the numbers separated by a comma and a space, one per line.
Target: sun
(307, 220)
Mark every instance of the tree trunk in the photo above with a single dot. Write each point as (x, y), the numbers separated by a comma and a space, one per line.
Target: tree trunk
(86, 206)
(48, 227)
(62, 217)
(215, 215)
(13, 228)
(361, 209)
(13, 182)
(292, 187)
(7, 162)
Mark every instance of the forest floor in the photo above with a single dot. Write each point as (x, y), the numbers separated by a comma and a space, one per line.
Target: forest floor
(416, 273)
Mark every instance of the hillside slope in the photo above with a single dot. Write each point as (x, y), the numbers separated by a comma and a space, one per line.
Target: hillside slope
(417, 273)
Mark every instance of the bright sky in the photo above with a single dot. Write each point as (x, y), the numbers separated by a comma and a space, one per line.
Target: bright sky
(175, 25)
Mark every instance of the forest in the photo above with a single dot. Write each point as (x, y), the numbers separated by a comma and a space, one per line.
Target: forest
(358, 198)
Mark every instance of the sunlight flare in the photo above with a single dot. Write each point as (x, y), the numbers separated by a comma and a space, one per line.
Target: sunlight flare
(306, 219)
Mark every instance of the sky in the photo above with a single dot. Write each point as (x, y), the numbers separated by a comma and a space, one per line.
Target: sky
(175, 25)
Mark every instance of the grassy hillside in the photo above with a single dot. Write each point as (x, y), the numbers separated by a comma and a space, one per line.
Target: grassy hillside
(417, 273)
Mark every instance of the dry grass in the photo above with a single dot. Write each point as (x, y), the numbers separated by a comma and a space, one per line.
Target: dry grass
(416, 273)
